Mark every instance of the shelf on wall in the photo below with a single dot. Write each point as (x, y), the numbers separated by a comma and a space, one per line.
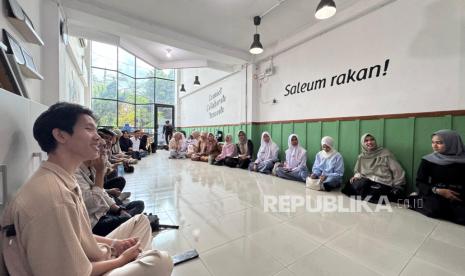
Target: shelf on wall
(22, 22)
(17, 73)
(22, 57)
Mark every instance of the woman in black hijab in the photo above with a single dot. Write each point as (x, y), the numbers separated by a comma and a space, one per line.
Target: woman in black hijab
(441, 179)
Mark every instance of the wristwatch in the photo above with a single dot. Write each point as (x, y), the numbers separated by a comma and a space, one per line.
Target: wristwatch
(434, 190)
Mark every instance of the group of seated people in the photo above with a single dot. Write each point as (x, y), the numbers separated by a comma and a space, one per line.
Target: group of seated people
(108, 206)
(137, 145)
(440, 178)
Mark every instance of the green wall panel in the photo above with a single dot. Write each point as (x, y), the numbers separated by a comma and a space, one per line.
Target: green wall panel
(399, 138)
(313, 140)
(349, 145)
(250, 129)
(458, 123)
(257, 131)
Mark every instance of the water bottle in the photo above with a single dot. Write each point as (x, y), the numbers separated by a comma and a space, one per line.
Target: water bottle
(120, 170)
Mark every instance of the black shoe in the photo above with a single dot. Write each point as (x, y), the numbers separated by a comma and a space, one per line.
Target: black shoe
(154, 222)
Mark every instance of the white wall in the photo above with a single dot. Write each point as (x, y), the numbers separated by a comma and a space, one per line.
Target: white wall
(230, 95)
(75, 89)
(206, 76)
(33, 10)
(424, 41)
(53, 54)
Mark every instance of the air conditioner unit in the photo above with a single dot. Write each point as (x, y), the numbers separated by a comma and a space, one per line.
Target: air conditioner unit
(269, 70)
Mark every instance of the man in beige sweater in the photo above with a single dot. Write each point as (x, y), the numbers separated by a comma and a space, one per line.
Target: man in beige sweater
(46, 229)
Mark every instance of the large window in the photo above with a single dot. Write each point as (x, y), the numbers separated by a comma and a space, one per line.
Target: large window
(125, 89)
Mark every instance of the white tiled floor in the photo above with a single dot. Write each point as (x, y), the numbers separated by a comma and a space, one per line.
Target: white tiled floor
(220, 213)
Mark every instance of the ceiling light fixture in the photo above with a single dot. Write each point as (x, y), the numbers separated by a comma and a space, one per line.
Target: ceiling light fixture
(182, 88)
(325, 9)
(256, 47)
(168, 53)
(196, 81)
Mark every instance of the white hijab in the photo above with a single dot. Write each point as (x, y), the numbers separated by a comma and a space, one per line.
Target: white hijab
(268, 150)
(329, 141)
(294, 153)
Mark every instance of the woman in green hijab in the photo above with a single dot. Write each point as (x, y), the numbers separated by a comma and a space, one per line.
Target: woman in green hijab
(376, 173)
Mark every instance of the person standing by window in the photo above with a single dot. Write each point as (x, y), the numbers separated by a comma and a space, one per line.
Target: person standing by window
(168, 131)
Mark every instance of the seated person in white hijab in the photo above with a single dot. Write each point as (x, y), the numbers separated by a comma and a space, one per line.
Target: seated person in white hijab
(267, 155)
(377, 173)
(177, 146)
(441, 179)
(191, 143)
(295, 167)
(328, 166)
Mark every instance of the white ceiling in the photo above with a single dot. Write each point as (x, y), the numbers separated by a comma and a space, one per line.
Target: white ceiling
(159, 50)
(220, 31)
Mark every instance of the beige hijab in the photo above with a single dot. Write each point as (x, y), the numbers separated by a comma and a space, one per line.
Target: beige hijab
(243, 147)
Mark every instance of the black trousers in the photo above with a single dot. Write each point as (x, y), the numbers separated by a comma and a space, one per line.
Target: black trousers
(436, 206)
(110, 222)
(168, 137)
(364, 187)
(237, 162)
(218, 163)
(231, 162)
(116, 182)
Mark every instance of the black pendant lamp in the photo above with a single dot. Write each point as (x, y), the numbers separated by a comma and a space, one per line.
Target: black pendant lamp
(325, 9)
(256, 47)
(196, 81)
(182, 88)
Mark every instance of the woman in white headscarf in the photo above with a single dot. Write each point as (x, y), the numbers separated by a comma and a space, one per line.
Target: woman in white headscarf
(377, 173)
(441, 179)
(176, 146)
(328, 166)
(295, 167)
(267, 155)
(191, 143)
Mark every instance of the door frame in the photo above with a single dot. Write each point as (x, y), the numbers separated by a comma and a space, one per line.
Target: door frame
(156, 106)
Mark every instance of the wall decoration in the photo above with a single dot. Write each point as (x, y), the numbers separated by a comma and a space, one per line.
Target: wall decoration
(17, 73)
(338, 79)
(8, 79)
(215, 103)
(22, 57)
(22, 22)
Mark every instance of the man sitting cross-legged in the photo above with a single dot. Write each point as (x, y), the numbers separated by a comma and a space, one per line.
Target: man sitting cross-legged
(51, 229)
(104, 213)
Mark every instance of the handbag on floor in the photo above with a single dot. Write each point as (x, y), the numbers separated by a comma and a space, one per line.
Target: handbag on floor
(313, 184)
